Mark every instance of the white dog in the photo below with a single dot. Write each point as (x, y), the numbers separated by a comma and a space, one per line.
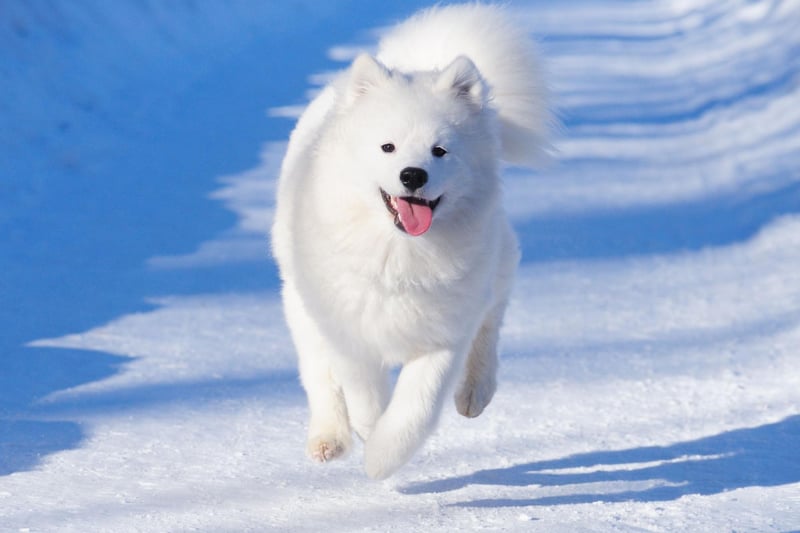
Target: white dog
(392, 243)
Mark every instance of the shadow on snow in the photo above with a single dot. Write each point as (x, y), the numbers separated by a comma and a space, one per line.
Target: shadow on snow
(762, 456)
(716, 221)
(77, 256)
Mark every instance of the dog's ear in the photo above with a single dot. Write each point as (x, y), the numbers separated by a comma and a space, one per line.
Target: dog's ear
(462, 78)
(366, 73)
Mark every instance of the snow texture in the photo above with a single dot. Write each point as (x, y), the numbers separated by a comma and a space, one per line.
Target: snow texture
(650, 375)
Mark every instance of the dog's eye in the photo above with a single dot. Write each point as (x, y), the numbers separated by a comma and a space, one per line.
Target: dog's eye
(388, 148)
(438, 151)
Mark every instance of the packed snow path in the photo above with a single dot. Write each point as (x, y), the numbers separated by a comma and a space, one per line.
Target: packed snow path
(651, 357)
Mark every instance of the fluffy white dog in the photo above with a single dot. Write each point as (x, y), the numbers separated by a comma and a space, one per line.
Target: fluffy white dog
(392, 243)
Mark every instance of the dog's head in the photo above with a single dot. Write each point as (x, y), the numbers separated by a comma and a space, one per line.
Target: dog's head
(417, 146)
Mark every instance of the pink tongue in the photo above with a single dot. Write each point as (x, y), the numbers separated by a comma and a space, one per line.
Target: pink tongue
(415, 218)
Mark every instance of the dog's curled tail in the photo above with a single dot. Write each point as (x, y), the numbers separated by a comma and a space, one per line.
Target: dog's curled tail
(504, 54)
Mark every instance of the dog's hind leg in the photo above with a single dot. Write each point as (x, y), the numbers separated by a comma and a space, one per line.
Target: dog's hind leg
(328, 429)
(479, 381)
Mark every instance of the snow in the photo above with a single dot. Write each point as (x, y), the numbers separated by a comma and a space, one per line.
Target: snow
(650, 375)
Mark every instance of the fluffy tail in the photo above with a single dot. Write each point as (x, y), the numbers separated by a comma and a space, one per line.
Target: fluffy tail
(503, 53)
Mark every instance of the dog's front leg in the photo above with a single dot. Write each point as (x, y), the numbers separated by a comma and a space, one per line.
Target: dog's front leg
(329, 428)
(412, 412)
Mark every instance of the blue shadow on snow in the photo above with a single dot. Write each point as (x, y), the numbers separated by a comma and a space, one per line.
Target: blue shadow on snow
(660, 229)
(763, 456)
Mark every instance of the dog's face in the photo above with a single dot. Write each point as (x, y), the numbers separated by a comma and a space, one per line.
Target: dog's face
(416, 147)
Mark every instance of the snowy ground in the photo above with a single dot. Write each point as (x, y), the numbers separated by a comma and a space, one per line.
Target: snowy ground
(651, 357)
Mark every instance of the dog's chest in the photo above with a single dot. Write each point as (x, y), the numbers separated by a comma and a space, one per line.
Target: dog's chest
(399, 321)
(402, 324)
(397, 298)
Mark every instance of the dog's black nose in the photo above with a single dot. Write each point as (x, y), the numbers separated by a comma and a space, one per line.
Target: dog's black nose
(413, 178)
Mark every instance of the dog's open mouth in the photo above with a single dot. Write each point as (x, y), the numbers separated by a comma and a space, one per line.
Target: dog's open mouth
(411, 214)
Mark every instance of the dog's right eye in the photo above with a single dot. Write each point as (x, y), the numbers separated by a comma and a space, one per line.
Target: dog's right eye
(388, 148)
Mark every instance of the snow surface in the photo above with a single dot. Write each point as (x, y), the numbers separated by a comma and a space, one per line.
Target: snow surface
(651, 370)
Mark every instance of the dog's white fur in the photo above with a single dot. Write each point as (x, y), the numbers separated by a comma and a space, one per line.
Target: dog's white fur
(360, 295)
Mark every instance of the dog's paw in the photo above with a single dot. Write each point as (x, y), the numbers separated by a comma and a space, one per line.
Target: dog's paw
(378, 462)
(385, 451)
(473, 398)
(324, 448)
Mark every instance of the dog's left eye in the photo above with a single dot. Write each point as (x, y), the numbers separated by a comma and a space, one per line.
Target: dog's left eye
(438, 151)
